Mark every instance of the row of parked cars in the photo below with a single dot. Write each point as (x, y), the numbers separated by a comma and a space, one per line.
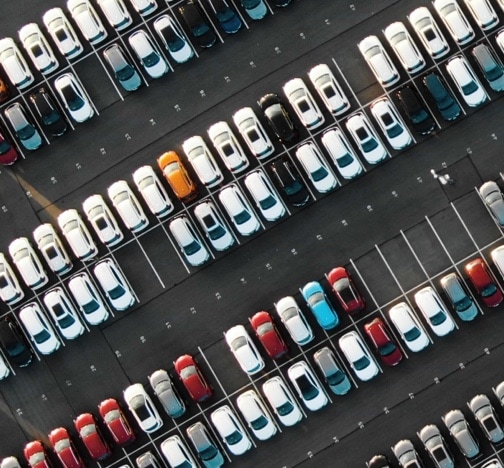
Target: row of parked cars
(487, 419)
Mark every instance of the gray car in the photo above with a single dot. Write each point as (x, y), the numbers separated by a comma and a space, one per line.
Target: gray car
(336, 379)
(25, 130)
(168, 395)
(459, 297)
(406, 454)
(492, 196)
(147, 460)
(487, 418)
(123, 69)
(436, 446)
(204, 445)
(461, 432)
(490, 66)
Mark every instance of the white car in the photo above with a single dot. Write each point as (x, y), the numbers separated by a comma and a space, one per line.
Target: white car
(227, 147)
(303, 103)
(14, 64)
(282, 401)
(454, 20)
(214, 226)
(358, 356)
(27, 263)
(88, 299)
(152, 191)
(409, 327)
(142, 408)
(176, 453)
(466, 81)
(434, 311)
(113, 284)
(264, 195)
(256, 415)
(329, 89)
(63, 313)
(231, 430)
(37, 48)
(316, 167)
(291, 316)
(77, 235)
(483, 13)
(379, 61)
(101, 218)
(148, 54)
(62, 33)
(10, 291)
(51, 248)
(144, 7)
(74, 97)
(189, 241)
(404, 47)
(428, 32)
(341, 153)
(239, 210)
(307, 385)
(127, 206)
(391, 124)
(116, 13)
(38, 328)
(202, 161)
(499, 39)
(244, 350)
(173, 38)
(253, 132)
(365, 138)
(484, 413)
(88, 21)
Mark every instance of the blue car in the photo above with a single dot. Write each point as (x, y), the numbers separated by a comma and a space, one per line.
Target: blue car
(256, 9)
(227, 17)
(320, 306)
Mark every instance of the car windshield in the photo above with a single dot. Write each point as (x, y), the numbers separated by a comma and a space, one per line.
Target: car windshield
(234, 437)
(51, 117)
(172, 40)
(308, 390)
(26, 132)
(469, 88)
(387, 349)
(90, 306)
(117, 292)
(362, 363)
(463, 304)
(224, 15)
(267, 202)
(489, 290)
(369, 145)
(412, 334)
(125, 73)
(259, 423)
(217, 232)
(319, 174)
(336, 378)
(419, 116)
(314, 299)
(15, 349)
(192, 248)
(4, 147)
(285, 409)
(151, 59)
(208, 453)
(250, 3)
(200, 30)
(438, 319)
(394, 131)
(242, 217)
(494, 73)
(345, 160)
(42, 336)
(75, 102)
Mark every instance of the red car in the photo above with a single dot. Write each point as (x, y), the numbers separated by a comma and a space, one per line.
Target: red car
(116, 422)
(268, 335)
(343, 286)
(8, 153)
(192, 378)
(89, 432)
(484, 282)
(36, 455)
(64, 448)
(387, 349)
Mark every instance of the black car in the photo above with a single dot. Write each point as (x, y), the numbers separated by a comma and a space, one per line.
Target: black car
(48, 113)
(228, 19)
(14, 344)
(420, 118)
(200, 29)
(278, 118)
(446, 104)
(288, 180)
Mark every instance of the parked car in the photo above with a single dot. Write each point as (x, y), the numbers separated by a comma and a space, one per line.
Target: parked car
(484, 282)
(152, 191)
(420, 118)
(65, 449)
(192, 378)
(27, 263)
(189, 241)
(494, 200)
(497, 255)
(38, 329)
(459, 297)
(379, 61)
(278, 118)
(227, 147)
(115, 421)
(142, 408)
(74, 97)
(177, 176)
(10, 291)
(176, 452)
(92, 437)
(167, 394)
(4, 91)
(102, 220)
(436, 447)
(379, 461)
(77, 235)
(62, 33)
(51, 248)
(173, 38)
(239, 210)
(8, 153)
(434, 311)
(341, 152)
(88, 21)
(336, 379)
(320, 306)
(282, 401)
(385, 346)
(63, 314)
(256, 415)
(256, 9)
(213, 225)
(204, 445)
(37, 48)
(113, 284)
(147, 459)
(466, 81)
(487, 418)
(229, 21)
(264, 195)
(366, 138)
(288, 180)
(447, 106)
(144, 7)
(301, 100)
(391, 125)
(358, 356)
(316, 168)
(202, 161)
(462, 433)
(291, 316)
(14, 64)
(428, 32)
(307, 386)
(345, 290)
(329, 89)
(244, 350)
(127, 206)
(87, 299)
(36, 455)
(253, 132)
(455, 21)
(24, 129)
(122, 67)
(483, 13)
(268, 334)
(14, 344)
(404, 47)
(230, 429)
(48, 113)
(116, 13)
(490, 65)
(197, 23)
(406, 454)
(148, 54)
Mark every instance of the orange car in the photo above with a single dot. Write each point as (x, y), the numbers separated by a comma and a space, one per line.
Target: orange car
(176, 175)
(4, 91)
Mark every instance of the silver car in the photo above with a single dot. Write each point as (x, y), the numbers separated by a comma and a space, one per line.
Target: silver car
(461, 432)
(167, 394)
(492, 196)
(486, 417)
(436, 446)
(406, 454)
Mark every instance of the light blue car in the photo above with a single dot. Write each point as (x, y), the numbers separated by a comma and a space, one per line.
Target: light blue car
(320, 306)
(256, 9)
